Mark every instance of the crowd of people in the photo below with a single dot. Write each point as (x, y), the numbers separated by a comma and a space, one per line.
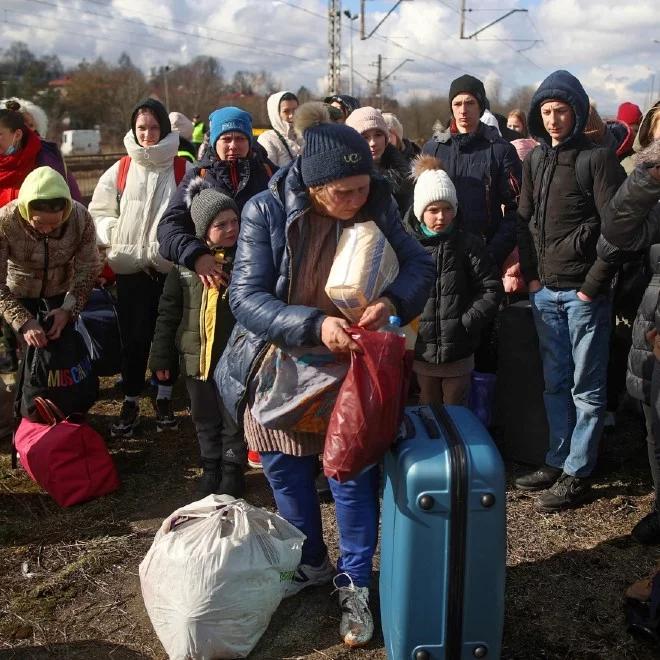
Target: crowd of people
(220, 246)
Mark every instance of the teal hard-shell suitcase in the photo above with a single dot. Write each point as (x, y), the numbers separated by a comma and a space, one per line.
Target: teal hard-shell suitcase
(443, 548)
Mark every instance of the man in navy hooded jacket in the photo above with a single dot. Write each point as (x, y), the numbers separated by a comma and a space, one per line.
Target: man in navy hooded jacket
(559, 232)
(483, 166)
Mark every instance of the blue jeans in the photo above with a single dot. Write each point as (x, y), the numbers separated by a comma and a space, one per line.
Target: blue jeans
(356, 506)
(574, 341)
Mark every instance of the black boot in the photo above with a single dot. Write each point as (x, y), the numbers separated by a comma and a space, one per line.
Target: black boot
(233, 480)
(211, 475)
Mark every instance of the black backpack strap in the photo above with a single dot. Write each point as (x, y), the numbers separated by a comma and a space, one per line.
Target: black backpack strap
(584, 172)
(283, 141)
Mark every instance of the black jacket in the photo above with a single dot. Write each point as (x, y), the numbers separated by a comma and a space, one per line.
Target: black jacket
(631, 222)
(176, 232)
(559, 225)
(396, 169)
(410, 149)
(464, 297)
(485, 169)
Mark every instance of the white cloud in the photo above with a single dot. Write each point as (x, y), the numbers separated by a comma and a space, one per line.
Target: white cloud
(608, 45)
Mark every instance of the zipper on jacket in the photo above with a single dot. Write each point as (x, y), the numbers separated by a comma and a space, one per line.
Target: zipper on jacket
(44, 279)
(288, 249)
(457, 533)
(548, 171)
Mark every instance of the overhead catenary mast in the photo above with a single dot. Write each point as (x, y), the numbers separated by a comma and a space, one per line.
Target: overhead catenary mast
(334, 44)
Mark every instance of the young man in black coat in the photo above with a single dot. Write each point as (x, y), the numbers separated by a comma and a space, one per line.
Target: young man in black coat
(483, 166)
(567, 183)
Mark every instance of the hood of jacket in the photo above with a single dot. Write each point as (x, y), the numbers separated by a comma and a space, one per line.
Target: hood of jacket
(489, 133)
(43, 183)
(643, 138)
(562, 86)
(287, 186)
(157, 157)
(273, 107)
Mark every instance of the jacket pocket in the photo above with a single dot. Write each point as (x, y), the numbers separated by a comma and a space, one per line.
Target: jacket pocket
(584, 242)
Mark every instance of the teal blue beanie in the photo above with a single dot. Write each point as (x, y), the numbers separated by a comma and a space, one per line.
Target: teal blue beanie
(226, 120)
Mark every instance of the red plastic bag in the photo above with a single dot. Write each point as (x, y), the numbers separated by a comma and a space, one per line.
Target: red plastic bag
(367, 414)
(67, 459)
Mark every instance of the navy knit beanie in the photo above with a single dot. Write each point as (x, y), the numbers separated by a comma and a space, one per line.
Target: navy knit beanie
(468, 84)
(332, 151)
(229, 119)
(158, 110)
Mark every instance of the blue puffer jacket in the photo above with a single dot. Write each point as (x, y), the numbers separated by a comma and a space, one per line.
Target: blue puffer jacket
(264, 266)
(487, 173)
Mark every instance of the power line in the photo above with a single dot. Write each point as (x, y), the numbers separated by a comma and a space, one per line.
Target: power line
(243, 35)
(177, 31)
(379, 37)
(458, 11)
(78, 33)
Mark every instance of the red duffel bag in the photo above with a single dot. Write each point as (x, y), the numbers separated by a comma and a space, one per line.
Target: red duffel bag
(68, 459)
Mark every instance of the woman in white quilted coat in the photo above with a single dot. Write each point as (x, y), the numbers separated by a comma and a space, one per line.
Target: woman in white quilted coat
(127, 204)
(281, 143)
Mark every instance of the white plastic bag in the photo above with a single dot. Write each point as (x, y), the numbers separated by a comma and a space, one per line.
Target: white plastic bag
(364, 266)
(214, 575)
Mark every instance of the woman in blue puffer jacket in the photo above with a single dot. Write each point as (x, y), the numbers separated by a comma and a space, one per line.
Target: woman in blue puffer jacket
(286, 246)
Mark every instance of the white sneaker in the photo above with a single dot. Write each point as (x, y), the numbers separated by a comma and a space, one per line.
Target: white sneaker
(357, 625)
(310, 576)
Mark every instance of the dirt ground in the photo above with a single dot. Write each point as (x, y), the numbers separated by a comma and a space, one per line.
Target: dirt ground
(69, 585)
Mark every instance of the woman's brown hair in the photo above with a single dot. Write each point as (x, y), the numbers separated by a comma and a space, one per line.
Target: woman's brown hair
(11, 117)
(522, 118)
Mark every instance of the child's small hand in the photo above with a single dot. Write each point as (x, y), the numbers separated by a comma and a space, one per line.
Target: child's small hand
(163, 374)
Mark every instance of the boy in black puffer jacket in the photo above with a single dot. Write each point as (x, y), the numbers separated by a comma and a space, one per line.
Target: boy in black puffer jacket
(464, 297)
(193, 326)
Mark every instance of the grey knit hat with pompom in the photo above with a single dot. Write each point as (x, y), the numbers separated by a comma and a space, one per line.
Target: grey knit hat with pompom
(205, 202)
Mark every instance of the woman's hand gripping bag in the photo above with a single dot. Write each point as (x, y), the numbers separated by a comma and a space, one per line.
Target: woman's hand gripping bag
(365, 264)
(215, 574)
(367, 413)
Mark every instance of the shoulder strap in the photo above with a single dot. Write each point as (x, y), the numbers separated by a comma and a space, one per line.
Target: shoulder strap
(535, 162)
(179, 168)
(122, 175)
(584, 172)
(284, 142)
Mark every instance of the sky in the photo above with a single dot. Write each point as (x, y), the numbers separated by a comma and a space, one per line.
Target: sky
(611, 46)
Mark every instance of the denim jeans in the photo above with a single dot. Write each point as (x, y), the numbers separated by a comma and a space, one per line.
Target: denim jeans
(356, 508)
(574, 340)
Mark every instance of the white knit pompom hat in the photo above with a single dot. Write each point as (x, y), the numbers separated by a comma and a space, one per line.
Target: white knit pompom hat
(433, 185)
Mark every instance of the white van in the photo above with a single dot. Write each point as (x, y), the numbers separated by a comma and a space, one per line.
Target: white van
(81, 142)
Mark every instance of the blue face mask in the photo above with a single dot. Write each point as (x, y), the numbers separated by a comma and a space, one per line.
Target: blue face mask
(11, 149)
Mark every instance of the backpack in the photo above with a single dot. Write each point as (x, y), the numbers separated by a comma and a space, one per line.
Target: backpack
(583, 170)
(125, 163)
(61, 372)
(98, 324)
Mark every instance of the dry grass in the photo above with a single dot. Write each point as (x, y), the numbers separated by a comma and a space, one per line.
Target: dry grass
(69, 586)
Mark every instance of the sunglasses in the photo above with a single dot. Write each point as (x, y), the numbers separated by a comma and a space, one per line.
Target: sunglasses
(48, 205)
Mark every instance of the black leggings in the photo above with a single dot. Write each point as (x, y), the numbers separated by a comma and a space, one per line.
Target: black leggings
(137, 306)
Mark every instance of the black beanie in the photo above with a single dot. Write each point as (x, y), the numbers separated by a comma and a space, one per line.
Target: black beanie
(158, 109)
(469, 85)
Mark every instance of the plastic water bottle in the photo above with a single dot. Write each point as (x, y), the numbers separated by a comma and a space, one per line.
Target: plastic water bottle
(408, 333)
(394, 326)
